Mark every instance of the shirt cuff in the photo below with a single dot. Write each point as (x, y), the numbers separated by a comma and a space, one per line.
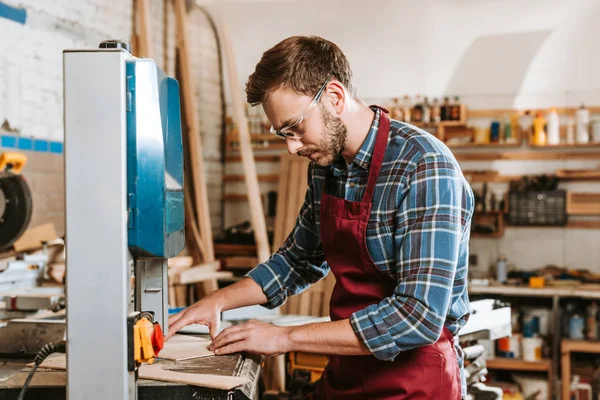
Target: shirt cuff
(270, 285)
(371, 329)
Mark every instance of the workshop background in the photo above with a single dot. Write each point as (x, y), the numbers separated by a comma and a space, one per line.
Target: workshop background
(511, 86)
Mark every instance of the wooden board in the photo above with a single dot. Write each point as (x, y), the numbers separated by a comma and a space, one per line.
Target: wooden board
(32, 238)
(583, 203)
(257, 215)
(192, 119)
(157, 373)
(184, 347)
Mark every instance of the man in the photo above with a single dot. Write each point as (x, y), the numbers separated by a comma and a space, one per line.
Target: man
(387, 210)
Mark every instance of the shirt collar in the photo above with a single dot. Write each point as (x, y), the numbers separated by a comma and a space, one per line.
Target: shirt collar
(364, 155)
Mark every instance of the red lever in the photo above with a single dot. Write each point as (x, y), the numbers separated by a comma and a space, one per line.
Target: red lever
(158, 339)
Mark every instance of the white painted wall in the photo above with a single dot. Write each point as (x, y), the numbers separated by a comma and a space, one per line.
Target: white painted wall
(493, 53)
(31, 73)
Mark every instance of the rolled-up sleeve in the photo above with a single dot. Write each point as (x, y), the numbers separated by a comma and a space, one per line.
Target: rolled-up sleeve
(429, 229)
(300, 260)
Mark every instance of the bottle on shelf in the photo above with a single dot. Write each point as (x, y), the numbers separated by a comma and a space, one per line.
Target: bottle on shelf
(455, 113)
(553, 127)
(526, 126)
(396, 110)
(435, 111)
(576, 327)
(495, 131)
(570, 130)
(506, 129)
(446, 110)
(592, 321)
(582, 121)
(406, 109)
(539, 130)
(426, 111)
(501, 269)
(417, 110)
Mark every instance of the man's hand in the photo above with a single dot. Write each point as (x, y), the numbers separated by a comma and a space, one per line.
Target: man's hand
(254, 337)
(206, 312)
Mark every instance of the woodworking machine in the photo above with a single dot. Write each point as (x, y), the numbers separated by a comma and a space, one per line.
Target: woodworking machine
(124, 214)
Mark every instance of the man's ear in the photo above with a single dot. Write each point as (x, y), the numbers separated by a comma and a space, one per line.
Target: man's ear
(335, 96)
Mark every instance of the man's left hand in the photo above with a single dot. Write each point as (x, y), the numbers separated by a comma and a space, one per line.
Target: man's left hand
(254, 337)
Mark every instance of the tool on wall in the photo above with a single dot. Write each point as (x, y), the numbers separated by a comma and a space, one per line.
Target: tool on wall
(16, 203)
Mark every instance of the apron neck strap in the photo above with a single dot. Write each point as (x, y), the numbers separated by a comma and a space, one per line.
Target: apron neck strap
(378, 153)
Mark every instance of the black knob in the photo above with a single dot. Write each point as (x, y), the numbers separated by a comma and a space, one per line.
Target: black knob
(115, 44)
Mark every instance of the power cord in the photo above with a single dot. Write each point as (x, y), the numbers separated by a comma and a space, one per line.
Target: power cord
(50, 348)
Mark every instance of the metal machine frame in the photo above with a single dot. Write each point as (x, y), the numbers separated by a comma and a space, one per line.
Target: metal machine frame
(124, 202)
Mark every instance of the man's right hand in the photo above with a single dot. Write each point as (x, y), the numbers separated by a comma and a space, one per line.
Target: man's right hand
(206, 312)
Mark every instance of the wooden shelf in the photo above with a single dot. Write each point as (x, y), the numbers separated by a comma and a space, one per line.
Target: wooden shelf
(582, 346)
(512, 364)
(258, 158)
(235, 249)
(481, 145)
(565, 146)
(527, 156)
(499, 113)
(273, 178)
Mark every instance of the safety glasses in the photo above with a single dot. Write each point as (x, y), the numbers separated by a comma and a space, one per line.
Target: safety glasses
(286, 132)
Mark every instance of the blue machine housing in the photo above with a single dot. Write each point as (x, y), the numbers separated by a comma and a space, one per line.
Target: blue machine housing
(154, 162)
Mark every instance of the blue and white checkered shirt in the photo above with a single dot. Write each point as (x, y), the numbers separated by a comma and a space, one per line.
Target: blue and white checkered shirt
(418, 234)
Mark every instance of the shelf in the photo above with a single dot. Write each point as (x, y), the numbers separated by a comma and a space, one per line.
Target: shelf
(527, 156)
(258, 158)
(582, 291)
(512, 364)
(499, 113)
(481, 145)
(273, 178)
(582, 346)
(565, 146)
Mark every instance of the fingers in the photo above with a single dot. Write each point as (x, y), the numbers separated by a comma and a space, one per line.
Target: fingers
(226, 338)
(178, 323)
(236, 347)
(213, 328)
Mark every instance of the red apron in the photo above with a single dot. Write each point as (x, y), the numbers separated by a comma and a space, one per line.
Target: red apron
(429, 372)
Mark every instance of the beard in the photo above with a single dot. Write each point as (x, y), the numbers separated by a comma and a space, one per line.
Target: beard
(333, 140)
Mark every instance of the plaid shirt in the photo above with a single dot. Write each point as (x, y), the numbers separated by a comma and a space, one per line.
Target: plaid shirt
(418, 234)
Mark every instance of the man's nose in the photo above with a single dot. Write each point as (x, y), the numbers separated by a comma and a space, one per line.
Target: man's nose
(293, 145)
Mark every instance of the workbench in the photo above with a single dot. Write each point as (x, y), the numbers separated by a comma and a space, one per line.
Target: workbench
(554, 295)
(50, 384)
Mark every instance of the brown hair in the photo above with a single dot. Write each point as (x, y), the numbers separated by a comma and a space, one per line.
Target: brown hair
(301, 63)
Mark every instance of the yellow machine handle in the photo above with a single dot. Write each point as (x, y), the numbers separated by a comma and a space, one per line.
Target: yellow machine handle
(12, 161)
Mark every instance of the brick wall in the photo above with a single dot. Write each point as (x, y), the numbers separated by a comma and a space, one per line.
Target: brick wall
(31, 88)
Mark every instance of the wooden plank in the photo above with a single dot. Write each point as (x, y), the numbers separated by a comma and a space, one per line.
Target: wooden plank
(279, 228)
(194, 274)
(499, 113)
(192, 224)
(32, 238)
(142, 28)
(262, 178)
(234, 249)
(512, 364)
(180, 262)
(257, 158)
(526, 155)
(578, 174)
(157, 373)
(240, 262)
(192, 121)
(185, 347)
(257, 215)
(583, 203)
(583, 224)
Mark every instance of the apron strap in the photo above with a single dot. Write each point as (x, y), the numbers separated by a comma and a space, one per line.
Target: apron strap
(378, 153)
(376, 159)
